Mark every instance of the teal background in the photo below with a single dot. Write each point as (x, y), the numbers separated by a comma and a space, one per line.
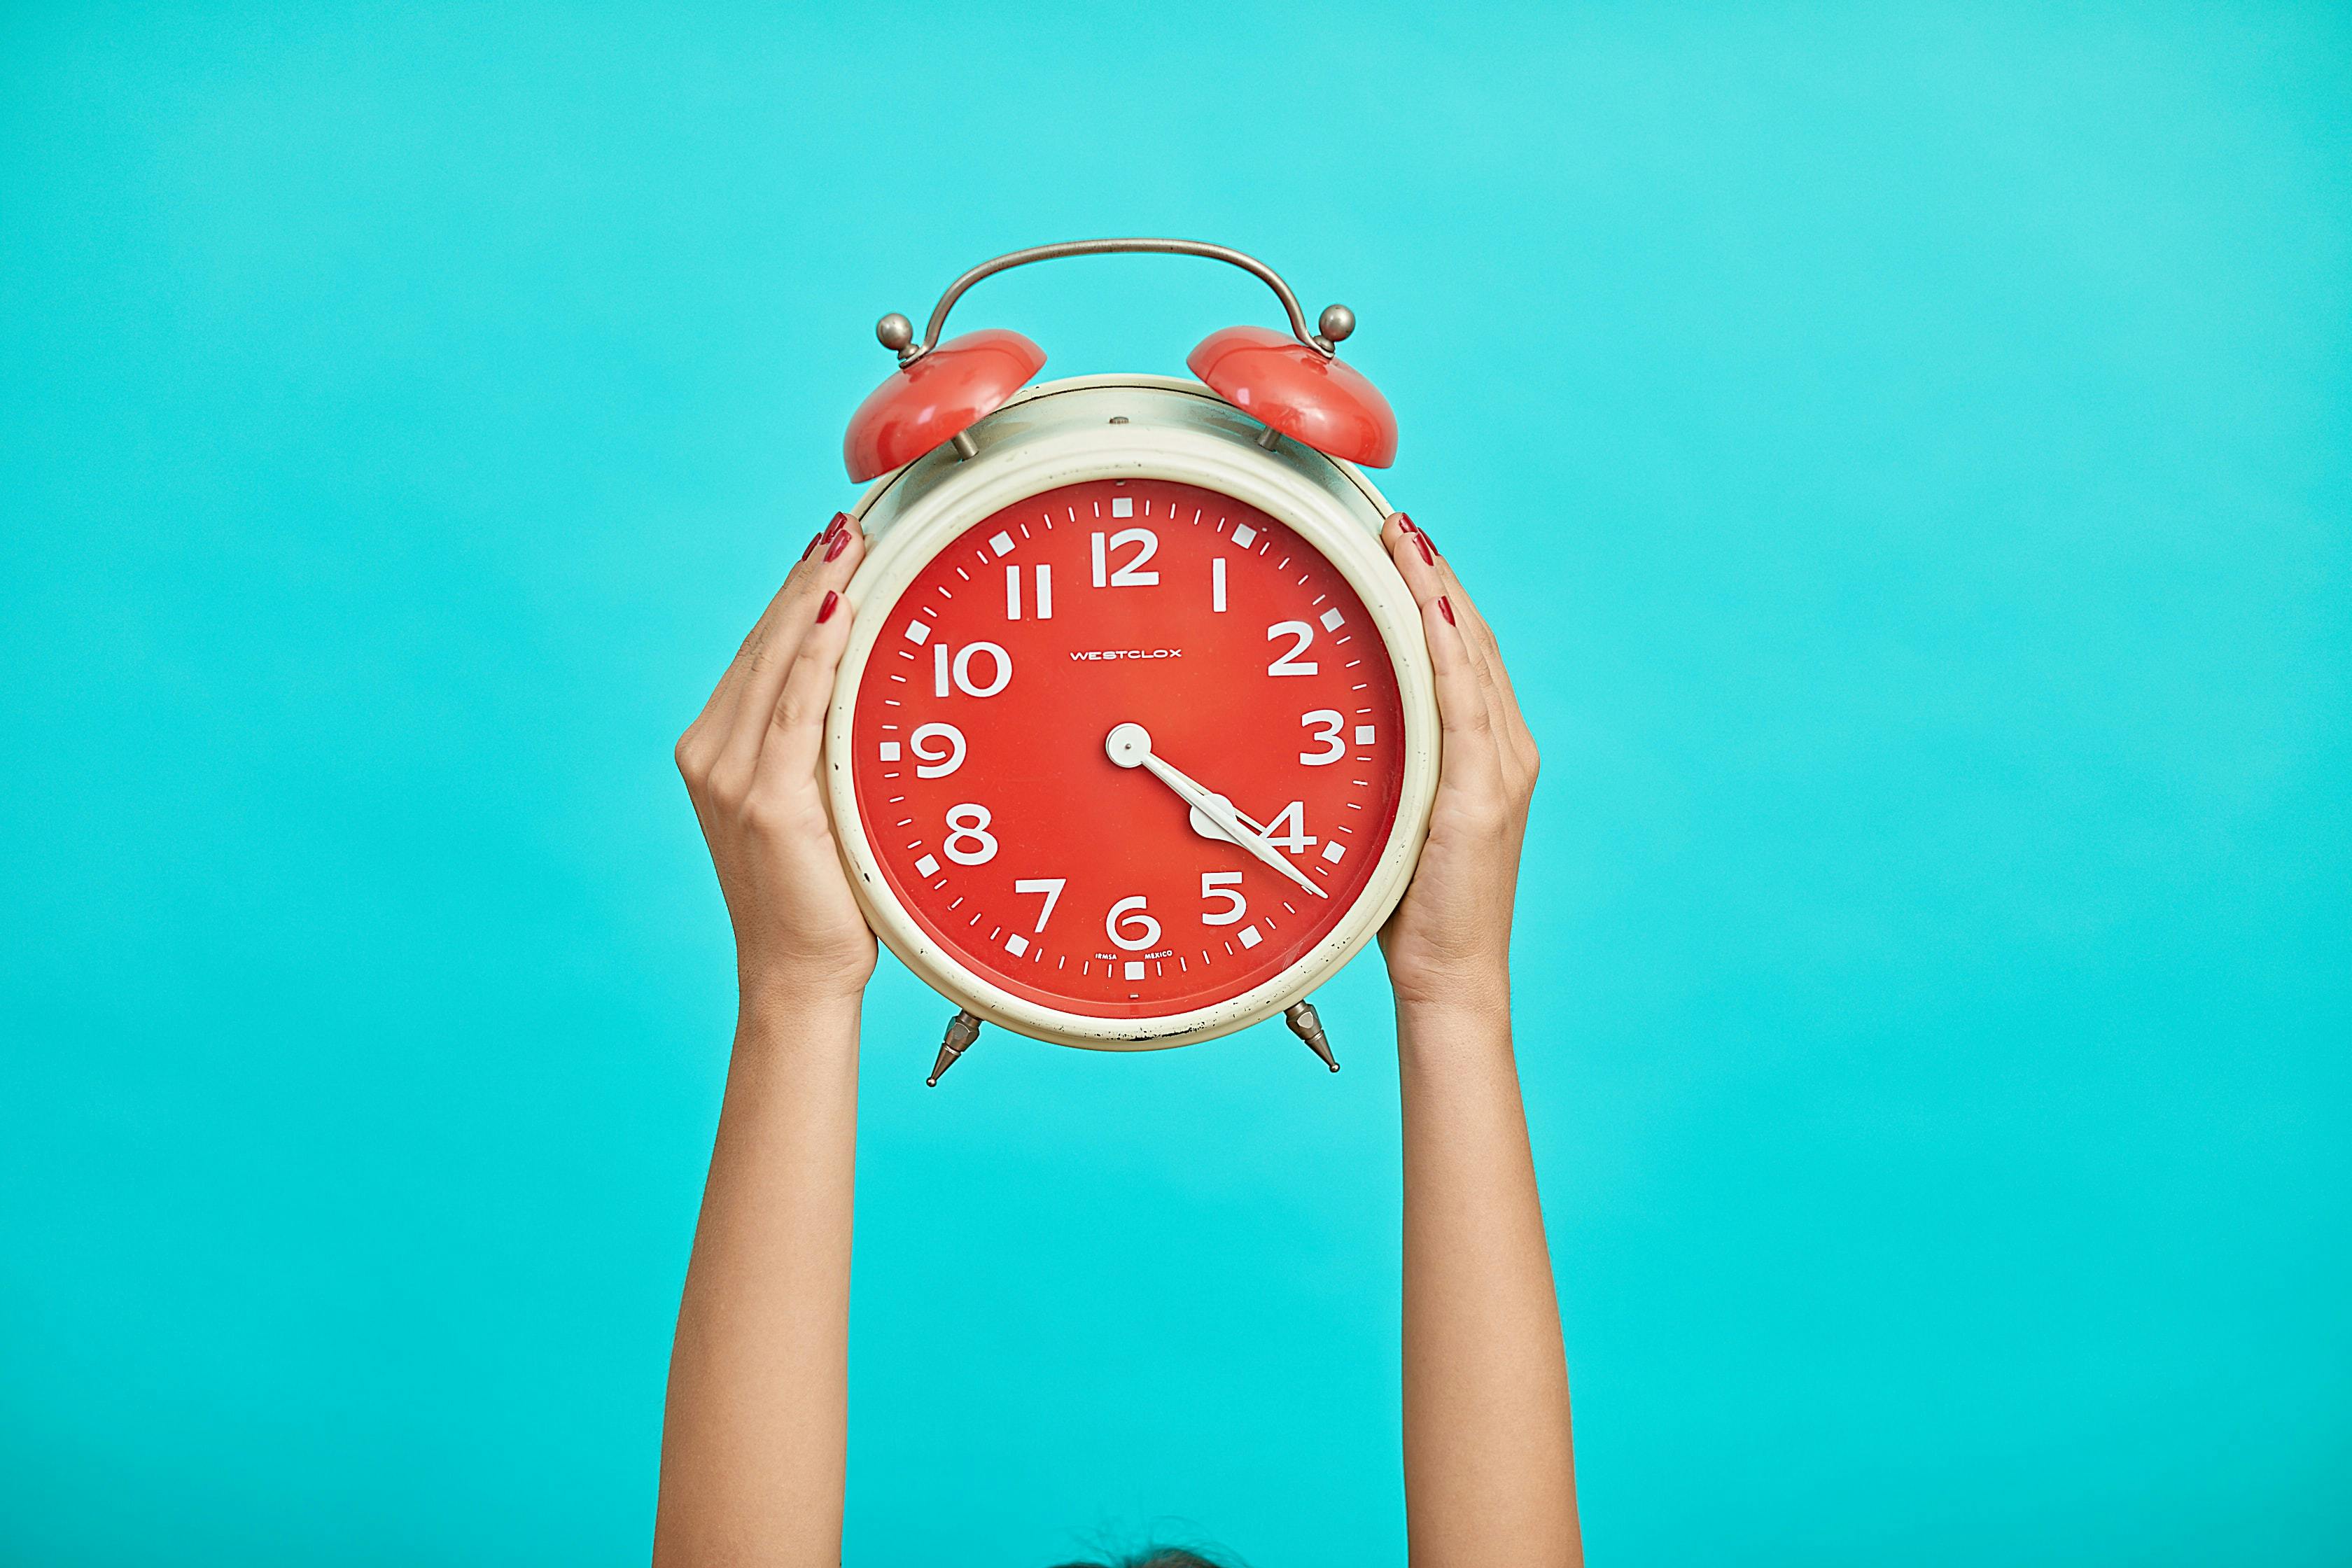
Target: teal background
(1904, 450)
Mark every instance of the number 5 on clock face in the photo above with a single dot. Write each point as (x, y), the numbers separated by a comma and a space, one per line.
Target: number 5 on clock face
(1225, 885)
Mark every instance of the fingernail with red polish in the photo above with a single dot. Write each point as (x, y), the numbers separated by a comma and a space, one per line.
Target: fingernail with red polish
(840, 542)
(840, 524)
(824, 611)
(815, 540)
(1429, 539)
(1442, 608)
(1423, 541)
(1406, 524)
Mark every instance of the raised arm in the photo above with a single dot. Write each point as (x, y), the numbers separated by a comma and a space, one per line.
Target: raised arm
(1489, 1469)
(752, 1437)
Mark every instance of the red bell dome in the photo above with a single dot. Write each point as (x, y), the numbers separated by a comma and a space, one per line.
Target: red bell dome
(1275, 378)
(939, 396)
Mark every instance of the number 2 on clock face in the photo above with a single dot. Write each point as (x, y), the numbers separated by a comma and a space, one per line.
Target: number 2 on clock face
(1015, 841)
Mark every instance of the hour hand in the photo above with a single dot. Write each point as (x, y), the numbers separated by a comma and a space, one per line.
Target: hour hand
(1129, 745)
(1215, 835)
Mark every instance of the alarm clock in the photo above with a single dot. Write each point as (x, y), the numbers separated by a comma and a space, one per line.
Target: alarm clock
(1135, 738)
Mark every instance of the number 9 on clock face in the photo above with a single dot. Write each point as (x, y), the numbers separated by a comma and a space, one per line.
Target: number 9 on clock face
(1114, 887)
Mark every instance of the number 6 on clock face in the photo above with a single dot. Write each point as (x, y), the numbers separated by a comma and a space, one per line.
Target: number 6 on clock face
(1127, 926)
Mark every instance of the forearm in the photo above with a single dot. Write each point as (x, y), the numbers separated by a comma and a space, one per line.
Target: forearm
(753, 1435)
(1489, 1470)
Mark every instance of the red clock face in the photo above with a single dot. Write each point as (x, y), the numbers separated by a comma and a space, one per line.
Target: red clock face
(1079, 710)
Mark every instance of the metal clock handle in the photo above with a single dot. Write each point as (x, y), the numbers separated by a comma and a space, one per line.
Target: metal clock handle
(1337, 322)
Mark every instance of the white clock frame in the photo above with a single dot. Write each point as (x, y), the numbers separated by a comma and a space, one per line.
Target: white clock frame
(1130, 426)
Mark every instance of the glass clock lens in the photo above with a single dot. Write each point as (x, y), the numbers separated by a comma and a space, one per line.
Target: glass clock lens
(1253, 697)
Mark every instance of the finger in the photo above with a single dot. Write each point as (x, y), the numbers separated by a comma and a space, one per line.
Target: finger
(825, 569)
(1471, 760)
(796, 723)
(1426, 571)
(1509, 718)
(1517, 736)
(764, 654)
(699, 746)
(1465, 712)
(1480, 632)
(708, 733)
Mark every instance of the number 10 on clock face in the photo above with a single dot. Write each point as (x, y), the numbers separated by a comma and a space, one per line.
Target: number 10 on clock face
(1100, 875)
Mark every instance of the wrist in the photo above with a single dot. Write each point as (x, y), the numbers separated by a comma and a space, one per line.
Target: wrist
(772, 1012)
(1466, 1016)
(775, 974)
(1472, 990)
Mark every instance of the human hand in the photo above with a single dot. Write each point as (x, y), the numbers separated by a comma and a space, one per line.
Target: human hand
(1449, 941)
(754, 762)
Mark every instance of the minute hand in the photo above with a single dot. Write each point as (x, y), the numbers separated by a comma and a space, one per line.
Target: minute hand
(1228, 822)
(1130, 744)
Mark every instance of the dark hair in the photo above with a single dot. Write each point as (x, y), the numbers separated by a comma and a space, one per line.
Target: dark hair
(1159, 1557)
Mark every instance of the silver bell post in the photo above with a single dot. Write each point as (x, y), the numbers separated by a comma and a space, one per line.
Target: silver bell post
(962, 1029)
(1300, 1017)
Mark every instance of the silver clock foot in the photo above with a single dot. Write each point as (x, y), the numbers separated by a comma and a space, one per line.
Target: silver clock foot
(1308, 1027)
(962, 1029)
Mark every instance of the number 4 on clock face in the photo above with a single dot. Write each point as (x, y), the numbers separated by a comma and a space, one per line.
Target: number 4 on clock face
(1297, 839)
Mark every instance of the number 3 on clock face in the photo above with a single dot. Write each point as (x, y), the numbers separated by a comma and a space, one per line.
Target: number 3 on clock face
(1102, 889)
